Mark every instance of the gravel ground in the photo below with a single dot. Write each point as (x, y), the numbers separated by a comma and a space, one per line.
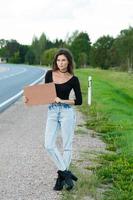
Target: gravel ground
(26, 171)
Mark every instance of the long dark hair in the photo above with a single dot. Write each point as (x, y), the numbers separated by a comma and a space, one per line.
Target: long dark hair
(69, 57)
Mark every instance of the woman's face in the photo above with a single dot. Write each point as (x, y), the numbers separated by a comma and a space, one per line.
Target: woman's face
(62, 62)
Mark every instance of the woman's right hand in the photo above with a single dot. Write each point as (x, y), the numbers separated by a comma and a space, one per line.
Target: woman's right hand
(25, 99)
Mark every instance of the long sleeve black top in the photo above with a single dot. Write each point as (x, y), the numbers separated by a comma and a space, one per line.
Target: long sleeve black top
(63, 89)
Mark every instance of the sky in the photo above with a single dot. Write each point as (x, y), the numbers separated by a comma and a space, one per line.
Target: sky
(21, 20)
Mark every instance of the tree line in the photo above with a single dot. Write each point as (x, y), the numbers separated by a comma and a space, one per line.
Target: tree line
(107, 52)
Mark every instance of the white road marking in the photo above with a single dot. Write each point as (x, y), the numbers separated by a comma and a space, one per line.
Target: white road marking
(3, 69)
(19, 93)
(11, 75)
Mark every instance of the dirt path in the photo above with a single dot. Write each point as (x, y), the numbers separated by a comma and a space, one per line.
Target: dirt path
(26, 171)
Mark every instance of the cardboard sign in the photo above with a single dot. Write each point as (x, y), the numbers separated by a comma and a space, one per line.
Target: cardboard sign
(40, 94)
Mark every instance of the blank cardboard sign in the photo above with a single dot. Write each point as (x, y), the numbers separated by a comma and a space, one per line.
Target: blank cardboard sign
(40, 94)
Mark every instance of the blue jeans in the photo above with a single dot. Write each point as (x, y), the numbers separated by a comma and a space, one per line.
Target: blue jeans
(60, 116)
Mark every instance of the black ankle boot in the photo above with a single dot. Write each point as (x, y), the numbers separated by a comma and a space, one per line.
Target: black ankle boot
(73, 176)
(59, 182)
(67, 178)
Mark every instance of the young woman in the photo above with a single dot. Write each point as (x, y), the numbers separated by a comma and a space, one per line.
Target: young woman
(61, 115)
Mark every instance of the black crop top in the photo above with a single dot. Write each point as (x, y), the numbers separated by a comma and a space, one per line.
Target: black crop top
(63, 89)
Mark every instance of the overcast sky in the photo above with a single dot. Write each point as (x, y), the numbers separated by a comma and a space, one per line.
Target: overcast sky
(21, 20)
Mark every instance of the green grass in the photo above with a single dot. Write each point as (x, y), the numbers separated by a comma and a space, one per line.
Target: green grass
(111, 115)
(86, 186)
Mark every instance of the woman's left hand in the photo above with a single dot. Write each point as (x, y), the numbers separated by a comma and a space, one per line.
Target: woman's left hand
(58, 100)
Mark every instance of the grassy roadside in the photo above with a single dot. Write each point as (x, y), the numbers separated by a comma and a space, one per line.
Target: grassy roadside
(111, 115)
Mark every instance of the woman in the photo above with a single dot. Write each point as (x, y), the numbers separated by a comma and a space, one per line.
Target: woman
(61, 115)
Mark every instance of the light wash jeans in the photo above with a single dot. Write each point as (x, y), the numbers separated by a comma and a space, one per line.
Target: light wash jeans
(60, 116)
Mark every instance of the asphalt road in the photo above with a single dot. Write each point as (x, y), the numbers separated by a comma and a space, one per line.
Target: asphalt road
(13, 78)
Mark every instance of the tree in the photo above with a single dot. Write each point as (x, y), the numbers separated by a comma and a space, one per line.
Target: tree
(82, 59)
(15, 58)
(81, 46)
(49, 44)
(58, 43)
(100, 55)
(3, 43)
(30, 57)
(42, 45)
(48, 56)
(70, 39)
(42, 42)
(38, 47)
(36, 50)
(11, 47)
(124, 46)
(114, 56)
(22, 52)
(13, 51)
